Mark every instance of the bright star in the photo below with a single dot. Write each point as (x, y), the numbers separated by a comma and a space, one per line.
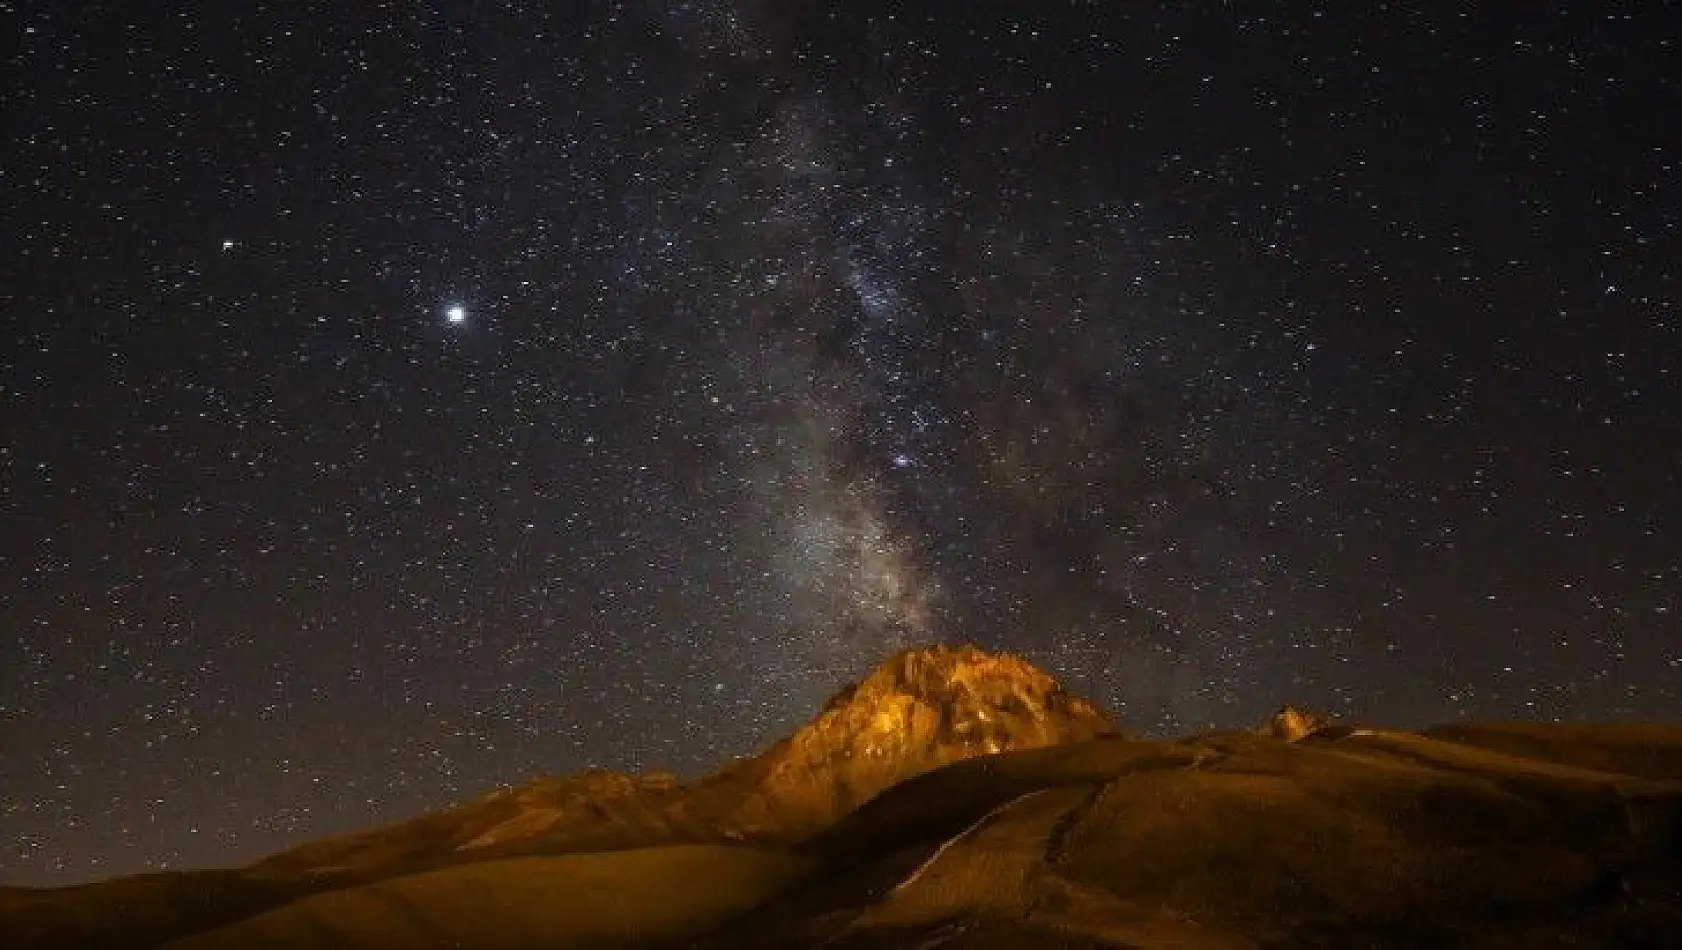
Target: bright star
(456, 313)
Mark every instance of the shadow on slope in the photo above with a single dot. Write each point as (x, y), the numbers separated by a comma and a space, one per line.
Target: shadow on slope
(622, 898)
(140, 911)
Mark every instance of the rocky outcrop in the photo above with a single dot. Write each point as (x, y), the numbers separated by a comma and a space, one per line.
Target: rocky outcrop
(921, 709)
(1291, 724)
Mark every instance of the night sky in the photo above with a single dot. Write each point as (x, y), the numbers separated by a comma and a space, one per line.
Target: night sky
(402, 399)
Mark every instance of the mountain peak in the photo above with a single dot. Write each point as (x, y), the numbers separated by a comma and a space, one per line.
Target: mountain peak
(936, 667)
(920, 709)
(979, 696)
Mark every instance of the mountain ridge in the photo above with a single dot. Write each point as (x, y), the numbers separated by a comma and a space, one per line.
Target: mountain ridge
(921, 708)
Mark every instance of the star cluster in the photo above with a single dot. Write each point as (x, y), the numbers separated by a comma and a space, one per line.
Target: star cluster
(404, 399)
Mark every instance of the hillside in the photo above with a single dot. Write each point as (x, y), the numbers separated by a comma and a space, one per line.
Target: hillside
(1371, 839)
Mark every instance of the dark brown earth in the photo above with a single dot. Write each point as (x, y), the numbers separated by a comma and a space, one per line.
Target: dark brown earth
(958, 799)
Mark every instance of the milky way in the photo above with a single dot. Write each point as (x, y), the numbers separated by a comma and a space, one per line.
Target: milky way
(404, 400)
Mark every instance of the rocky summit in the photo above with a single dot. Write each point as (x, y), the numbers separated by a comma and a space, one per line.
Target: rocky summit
(919, 710)
(955, 798)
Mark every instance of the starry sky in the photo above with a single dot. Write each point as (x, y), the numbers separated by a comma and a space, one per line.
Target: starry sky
(403, 399)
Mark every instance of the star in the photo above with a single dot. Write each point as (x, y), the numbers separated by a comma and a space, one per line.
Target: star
(456, 314)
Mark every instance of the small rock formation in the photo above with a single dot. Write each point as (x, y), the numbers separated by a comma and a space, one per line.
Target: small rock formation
(1291, 724)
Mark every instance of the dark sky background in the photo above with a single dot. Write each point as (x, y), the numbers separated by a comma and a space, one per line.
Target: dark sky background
(1210, 355)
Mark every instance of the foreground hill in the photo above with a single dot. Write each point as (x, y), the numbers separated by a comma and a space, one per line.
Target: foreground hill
(1364, 839)
(613, 898)
(955, 799)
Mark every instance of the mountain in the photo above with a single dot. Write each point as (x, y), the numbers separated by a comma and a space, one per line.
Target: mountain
(957, 799)
(918, 710)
